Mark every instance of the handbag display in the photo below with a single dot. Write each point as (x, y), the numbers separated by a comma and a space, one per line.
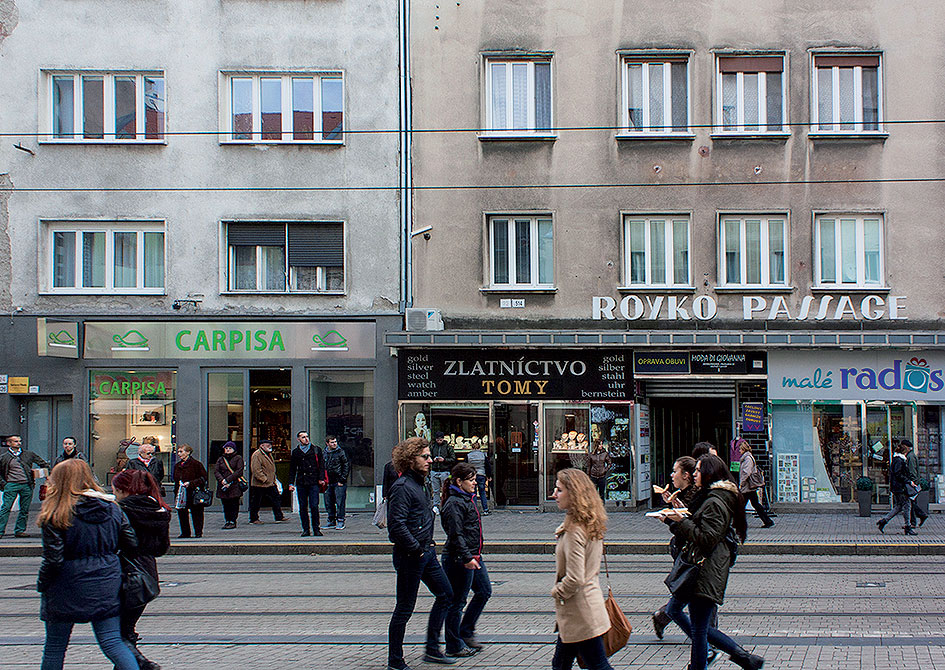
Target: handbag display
(138, 586)
(683, 576)
(617, 636)
(201, 497)
(380, 515)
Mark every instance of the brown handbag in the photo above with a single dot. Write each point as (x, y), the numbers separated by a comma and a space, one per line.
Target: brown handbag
(617, 637)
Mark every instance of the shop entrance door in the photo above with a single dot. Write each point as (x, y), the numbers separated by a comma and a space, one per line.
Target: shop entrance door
(48, 421)
(886, 425)
(517, 453)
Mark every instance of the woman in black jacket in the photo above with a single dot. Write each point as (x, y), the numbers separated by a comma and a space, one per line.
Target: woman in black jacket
(228, 470)
(190, 474)
(80, 576)
(138, 496)
(702, 539)
(462, 560)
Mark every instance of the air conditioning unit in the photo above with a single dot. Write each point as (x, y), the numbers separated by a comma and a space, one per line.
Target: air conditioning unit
(424, 319)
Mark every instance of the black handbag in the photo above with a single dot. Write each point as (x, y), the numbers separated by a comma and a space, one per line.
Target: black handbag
(681, 580)
(138, 586)
(243, 484)
(201, 497)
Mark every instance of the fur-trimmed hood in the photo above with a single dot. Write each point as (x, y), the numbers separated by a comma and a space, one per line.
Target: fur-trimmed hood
(726, 485)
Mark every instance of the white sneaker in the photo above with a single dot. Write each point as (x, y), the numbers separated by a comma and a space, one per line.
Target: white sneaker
(340, 525)
(436, 509)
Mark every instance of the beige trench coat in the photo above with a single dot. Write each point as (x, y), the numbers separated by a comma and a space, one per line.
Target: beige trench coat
(579, 601)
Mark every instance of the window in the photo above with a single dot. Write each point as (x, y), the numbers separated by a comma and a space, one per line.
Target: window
(656, 250)
(106, 106)
(522, 249)
(518, 97)
(294, 257)
(111, 257)
(655, 95)
(849, 250)
(285, 108)
(847, 93)
(753, 251)
(751, 96)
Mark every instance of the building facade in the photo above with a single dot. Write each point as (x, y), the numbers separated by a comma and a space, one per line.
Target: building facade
(708, 207)
(188, 259)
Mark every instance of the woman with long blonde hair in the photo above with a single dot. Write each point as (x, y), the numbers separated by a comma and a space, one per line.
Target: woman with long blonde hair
(580, 614)
(80, 576)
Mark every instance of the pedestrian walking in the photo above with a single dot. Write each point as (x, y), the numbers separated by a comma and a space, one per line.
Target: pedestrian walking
(229, 473)
(150, 517)
(580, 614)
(913, 488)
(80, 576)
(307, 477)
(262, 484)
(704, 540)
(69, 450)
(751, 481)
(17, 480)
(444, 458)
(462, 560)
(410, 529)
(898, 480)
(145, 460)
(479, 459)
(190, 475)
(336, 463)
(598, 467)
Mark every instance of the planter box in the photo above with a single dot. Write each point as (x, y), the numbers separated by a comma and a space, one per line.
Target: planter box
(865, 500)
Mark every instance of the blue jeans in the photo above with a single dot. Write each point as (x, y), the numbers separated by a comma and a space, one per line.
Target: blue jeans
(10, 492)
(481, 492)
(107, 633)
(335, 496)
(700, 630)
(308, 500)
(591, 652)
(459, 625)
(411, 570)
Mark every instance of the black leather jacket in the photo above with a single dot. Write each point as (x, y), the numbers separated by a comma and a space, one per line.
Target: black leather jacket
(336, 462)
(460, 518)
(410, 514)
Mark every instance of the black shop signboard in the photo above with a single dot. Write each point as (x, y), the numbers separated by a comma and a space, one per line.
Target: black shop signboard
(700, 363)
(476, 374)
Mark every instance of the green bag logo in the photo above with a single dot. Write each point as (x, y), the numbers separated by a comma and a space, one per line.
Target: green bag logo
(61, 339)
(133, 340)
(332, 340)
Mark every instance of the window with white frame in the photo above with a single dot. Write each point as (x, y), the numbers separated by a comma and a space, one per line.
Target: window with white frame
(847, 93)
(751, 95)
(656, 250)
(753, 250)
(849, 250)
(286, 257)
(518, 96)
(92, 106)
(655, 95)
(522, 251)
(295, 107)
(106, 257)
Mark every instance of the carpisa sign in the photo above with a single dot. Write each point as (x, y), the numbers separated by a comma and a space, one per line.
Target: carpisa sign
(905, 376)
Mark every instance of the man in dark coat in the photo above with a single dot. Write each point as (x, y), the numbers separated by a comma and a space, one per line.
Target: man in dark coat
(17, 480)
(307, 477)
(898, 478)
(336, 463)
(69, 450)
(147, 462)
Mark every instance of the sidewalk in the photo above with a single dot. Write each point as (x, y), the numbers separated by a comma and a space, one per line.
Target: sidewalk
(514, 532)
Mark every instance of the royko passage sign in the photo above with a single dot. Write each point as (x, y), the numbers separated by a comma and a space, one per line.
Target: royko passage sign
(466, 374)
(229, 340)
(856, 375)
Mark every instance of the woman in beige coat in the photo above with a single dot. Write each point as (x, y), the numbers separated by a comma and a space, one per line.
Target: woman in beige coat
(581, 619)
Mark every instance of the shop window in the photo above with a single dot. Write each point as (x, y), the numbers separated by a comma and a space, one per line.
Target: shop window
(518, 97)
(929, 443)
(656, 251)
(655, 95)
(838, 454)
(224, 413)
(846, 94)
(849, 250)
(127, 409)
(753, 251)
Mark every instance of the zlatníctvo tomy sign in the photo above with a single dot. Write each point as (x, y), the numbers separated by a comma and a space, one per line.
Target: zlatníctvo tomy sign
(239, 340)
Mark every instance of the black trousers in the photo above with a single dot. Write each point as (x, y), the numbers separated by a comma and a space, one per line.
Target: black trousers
(196, 513)
(231, 509)
(264, 495)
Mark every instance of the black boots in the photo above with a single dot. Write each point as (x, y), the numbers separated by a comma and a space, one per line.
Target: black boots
(747, 661)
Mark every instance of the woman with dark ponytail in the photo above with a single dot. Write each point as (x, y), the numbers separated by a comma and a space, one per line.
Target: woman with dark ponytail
(462, 559)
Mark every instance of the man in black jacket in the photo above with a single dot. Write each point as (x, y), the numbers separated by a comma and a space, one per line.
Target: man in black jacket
(16, 479)
(898, 477)
(410, 528)
(307, 476)
(336, 463)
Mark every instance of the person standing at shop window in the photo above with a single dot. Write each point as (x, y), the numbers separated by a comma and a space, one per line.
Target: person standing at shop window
(600, 463)
(307, 477)
(69, 450)
(336, 462)
(262, 483)
(189, 474)
(229, 470)
(147, 462)
(17, 479)
(480, 460)
(751, 481)
(444, 458)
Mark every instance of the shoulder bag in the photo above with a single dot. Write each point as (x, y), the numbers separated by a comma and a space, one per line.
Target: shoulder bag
(617, 636)
(138, 586)
(682, 578)
(241, 482)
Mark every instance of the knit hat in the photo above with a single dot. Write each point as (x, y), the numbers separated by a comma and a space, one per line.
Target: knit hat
(231, 445)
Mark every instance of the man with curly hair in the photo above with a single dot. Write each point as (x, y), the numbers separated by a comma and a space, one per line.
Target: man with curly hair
(410, 528)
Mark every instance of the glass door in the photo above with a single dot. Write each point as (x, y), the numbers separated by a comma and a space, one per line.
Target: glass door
(886, 425)
(517, 454)
(226, 402)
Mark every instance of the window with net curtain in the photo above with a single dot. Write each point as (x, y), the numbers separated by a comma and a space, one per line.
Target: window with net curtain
(753, 250)
(847, 94)
(656, 94)
(849, 250)
(519, 96)
(127, 257)
(522, 251)
(656, 250)
(751, 91)
(279, 257)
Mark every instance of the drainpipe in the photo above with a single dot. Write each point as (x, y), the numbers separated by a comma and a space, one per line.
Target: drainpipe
(406, 166)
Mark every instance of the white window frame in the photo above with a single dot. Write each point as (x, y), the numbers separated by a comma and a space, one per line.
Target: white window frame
(764, 252)
(858, 129)
(491, 130)
(229, 269)
(227, 134)
(109, 228)
(668, 250)
(741, 127)
(666, 130)
(860, 250)
(534, 259)
(47, 107)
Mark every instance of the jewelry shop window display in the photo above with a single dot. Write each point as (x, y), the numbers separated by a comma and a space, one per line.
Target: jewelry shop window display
(567, 433)
(462, 424)
(127, 409)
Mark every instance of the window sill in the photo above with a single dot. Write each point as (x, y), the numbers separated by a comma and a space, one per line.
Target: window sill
(283, 293)
(747, 135)
(519, 289)
(655, 136)
(103, 292)
(79, 141)
(754, 289)
(314, 143)
(850, 289)
(517, 137)
(656, 289)
(856, 136)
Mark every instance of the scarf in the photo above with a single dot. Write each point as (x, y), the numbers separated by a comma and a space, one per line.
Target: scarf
(305, 447)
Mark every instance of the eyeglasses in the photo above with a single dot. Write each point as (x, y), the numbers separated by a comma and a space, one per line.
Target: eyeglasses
(427, 457)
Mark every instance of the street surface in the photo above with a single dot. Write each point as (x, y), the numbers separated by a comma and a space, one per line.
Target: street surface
(331, 612)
